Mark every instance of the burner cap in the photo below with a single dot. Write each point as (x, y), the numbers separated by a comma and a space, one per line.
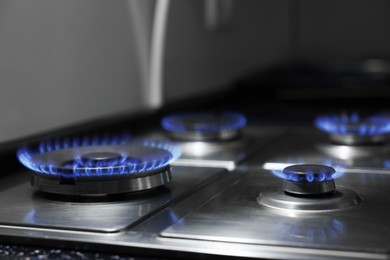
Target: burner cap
(101, 157)
(309, 179)
(354, 129)
(204, 126)
(100, 169)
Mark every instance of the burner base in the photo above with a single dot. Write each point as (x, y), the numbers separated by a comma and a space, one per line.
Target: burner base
(351, 139)
(341, 199)
(346, 152)
(102, 185)
(309, 189)
(223, 135)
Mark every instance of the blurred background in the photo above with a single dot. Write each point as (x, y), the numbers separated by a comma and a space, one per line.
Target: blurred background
(63, 63)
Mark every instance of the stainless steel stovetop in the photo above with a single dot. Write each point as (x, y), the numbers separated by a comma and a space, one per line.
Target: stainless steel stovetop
(213, 207)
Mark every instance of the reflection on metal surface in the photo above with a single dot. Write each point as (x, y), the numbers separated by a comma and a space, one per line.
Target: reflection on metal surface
(345, 152)
(96, 213)
(215, 154)
(228, 165)
(223, 153)
(204, 126)
(93, 214)
(219, 154)
(206, 150)
(311, 229)
(198, 148)
(21, 206)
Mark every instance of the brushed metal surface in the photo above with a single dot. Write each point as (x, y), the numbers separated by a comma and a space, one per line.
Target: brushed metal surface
(222, 154)
(235, 217)
(21, 206)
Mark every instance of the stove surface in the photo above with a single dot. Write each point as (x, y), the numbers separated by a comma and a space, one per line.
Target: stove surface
(357, 229)
(235, 216)
(24, 207)
(221, 154)
(217, 211)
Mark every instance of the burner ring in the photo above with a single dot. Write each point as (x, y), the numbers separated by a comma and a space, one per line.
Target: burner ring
(129, 159)
(204, 126)
(353, 129)
(100, 169)
(309, 179)
(353, 139)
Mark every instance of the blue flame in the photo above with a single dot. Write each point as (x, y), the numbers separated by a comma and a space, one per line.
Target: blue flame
(354, 124)
(277, 170)
(203, 122)
(309, 177)
(386, 166)
(80, 167)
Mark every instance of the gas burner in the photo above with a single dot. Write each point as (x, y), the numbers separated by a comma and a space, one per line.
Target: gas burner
(309, 187)
(354, 129)
(98, 168)
(204, 126)
(309, 180)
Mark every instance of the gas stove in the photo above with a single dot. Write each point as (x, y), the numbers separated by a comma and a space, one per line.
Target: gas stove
(208, 184)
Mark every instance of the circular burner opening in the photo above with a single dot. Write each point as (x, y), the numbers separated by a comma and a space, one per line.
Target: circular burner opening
(213, 126)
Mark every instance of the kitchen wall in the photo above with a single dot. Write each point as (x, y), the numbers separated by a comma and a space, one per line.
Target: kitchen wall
(198, 60)
(344, 29)
(264, 32)
(63, 62)
(68, 62)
